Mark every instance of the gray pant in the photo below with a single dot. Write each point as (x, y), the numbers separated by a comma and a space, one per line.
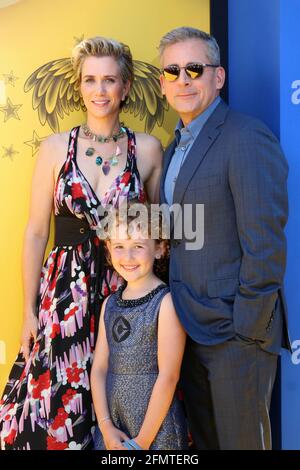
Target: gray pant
(227, 393)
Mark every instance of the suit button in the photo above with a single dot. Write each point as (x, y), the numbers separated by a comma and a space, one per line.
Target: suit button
(176, 242)
(81, 230)
(270, 322)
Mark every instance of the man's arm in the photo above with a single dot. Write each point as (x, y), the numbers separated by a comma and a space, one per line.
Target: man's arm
(258, 179)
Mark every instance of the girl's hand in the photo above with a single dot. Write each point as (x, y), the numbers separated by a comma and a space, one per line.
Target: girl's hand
(144, 444)
(29, 333)
(113, 437)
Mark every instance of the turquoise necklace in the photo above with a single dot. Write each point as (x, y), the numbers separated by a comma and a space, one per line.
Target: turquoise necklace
(107, 162)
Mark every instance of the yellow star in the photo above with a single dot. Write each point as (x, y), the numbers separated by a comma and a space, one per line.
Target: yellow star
(10, 78)
(34, 143)
(10, 110)
(9, 152)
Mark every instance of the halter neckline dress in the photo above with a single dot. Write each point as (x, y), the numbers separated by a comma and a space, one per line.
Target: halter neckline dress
(47, 402)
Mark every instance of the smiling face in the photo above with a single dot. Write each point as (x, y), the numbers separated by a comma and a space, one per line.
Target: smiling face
(133, 257)
(191, 97)
(102, 87)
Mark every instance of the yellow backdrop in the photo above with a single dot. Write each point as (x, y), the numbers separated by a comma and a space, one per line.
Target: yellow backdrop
(32, 33)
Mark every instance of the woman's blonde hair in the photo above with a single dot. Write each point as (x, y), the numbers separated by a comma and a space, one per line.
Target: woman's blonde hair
(103, 47)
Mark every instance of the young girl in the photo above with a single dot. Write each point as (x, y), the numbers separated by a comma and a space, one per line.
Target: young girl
(138, 354)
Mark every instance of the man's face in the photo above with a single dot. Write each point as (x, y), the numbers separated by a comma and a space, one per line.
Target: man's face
(190, 97)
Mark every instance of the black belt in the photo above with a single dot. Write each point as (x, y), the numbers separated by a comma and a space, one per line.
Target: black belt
(71, 231)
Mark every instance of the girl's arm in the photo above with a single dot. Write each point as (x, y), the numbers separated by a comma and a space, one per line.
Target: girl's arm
(111, 435)
(171, 343)
(36, 237)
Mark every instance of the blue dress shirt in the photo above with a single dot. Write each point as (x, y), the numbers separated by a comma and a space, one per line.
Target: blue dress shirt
(185, 137)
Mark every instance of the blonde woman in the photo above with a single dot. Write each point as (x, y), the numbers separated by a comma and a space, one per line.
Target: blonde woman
(47, 401)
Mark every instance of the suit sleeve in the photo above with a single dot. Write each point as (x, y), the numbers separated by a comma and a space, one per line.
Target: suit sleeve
(258, 180)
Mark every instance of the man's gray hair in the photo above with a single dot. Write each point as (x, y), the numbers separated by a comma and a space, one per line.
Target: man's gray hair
(184, 33)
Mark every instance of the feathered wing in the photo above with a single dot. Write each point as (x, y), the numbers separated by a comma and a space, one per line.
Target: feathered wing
(145, 97)
(56, 93)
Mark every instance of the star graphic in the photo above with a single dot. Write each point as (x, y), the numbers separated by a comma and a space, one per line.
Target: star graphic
(78, 40)
(9, 152)
(10, 78)
(10, 110)
(35, 142)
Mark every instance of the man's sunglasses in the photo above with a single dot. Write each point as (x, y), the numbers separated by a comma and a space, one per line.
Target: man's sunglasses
(193, 70)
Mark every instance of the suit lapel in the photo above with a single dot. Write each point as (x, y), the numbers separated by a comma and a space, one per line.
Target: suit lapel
(203, 142)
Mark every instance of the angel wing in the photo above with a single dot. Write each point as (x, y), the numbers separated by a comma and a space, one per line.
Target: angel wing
(145, 98)
(55, 93)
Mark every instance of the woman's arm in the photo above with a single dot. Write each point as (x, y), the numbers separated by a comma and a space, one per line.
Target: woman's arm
(111, 435)
(170, 331)
(36, 237)
(149, 161)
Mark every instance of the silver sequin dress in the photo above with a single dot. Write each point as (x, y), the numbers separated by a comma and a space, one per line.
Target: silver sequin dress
(131, 330)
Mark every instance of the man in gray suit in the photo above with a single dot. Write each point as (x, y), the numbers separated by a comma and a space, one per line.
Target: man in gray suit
(228, 294)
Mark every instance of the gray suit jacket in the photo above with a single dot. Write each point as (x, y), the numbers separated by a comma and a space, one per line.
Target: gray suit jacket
(234, 284)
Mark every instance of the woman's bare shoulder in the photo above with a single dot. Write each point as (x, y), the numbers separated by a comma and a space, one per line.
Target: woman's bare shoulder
(148, 141)
(54, 147)
(149, 150)
(57, 140)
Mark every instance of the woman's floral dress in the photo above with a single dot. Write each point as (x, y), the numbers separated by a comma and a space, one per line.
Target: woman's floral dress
(47, 402)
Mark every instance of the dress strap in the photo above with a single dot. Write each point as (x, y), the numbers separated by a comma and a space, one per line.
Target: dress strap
(136, 185)
(72, 146)
(131, 143)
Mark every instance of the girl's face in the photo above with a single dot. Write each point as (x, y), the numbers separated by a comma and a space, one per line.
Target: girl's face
(133, 257)
(102, 87)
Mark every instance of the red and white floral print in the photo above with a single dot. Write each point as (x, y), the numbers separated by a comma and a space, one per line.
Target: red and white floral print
(47, 402)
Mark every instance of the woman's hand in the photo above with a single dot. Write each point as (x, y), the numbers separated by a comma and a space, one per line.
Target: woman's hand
(29, 333)
(113, 437)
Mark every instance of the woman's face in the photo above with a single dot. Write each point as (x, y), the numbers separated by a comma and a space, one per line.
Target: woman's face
(102, 87)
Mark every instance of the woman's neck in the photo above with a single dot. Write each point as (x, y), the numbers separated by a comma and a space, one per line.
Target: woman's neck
(105, 127)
